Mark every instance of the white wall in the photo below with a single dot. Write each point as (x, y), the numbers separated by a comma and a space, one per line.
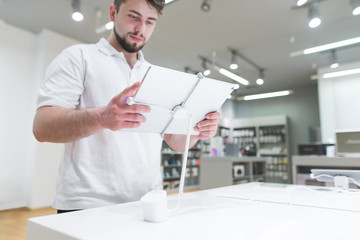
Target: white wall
(27, 169)
(339, 100)
(48, 155)
(17, 51)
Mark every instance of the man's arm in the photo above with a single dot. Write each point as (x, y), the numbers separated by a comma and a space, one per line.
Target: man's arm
(207, 129)
(57, 124)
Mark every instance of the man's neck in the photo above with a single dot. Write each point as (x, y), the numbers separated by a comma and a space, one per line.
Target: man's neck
(131, 58)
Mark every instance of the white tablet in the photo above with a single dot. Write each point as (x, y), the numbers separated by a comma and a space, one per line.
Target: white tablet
(163, 89)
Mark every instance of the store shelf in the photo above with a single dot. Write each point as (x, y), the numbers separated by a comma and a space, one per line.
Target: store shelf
(171, 162)
(246, 139)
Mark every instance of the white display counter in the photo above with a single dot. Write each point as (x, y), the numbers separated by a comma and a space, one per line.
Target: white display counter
(246, 211)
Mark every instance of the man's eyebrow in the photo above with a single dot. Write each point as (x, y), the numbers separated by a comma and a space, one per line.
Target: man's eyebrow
(139, 14)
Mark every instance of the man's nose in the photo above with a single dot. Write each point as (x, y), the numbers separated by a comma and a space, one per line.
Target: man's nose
(140, 27)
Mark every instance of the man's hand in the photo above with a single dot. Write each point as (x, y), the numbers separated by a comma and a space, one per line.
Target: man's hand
(118, 114)
(207, 129)
(209, 126)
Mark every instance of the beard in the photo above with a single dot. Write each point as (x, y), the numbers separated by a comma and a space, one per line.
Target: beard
(130, 48)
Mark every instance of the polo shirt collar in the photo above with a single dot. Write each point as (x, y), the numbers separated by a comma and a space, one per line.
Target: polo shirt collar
(105, 47)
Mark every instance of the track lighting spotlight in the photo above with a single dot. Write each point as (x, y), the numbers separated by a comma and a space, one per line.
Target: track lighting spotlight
(260, 80)
(206, 5)
(233, 64)
(76, 15)
(314, 16)
(207, 70)
(355, 7)
(334, 63)
(299, 3)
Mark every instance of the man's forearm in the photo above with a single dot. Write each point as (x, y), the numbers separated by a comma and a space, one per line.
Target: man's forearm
(59, 125)
(177, 142)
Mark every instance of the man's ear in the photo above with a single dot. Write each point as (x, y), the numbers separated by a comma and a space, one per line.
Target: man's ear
(112, 12)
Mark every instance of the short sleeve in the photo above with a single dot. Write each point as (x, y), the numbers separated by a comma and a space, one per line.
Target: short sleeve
(64, 80)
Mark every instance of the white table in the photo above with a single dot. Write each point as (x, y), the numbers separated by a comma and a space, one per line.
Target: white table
(246, 211)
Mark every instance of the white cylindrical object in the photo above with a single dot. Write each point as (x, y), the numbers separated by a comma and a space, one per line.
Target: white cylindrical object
(154, 206)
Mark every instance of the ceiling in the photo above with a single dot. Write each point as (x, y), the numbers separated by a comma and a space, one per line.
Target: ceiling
(264, 31)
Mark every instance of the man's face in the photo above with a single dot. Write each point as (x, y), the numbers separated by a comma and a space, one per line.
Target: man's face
(134, 24)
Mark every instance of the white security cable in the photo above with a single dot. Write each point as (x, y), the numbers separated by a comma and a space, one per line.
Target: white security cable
(177, 112)
(246, 201)
(337, 189)
(341, 182)
(184, 163)
(288, 194)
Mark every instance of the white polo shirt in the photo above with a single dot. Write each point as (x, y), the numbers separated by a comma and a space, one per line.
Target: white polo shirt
(107, 167)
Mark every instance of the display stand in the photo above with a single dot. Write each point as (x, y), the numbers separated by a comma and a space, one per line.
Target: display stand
(175, 97)
(169, 92)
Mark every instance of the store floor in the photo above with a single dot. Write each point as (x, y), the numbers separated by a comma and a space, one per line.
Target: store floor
(13, 223)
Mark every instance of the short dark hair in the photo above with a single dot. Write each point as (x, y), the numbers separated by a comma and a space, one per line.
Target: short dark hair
(157, 4)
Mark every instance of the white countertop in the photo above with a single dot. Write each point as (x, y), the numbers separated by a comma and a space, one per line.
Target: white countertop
(245, 211)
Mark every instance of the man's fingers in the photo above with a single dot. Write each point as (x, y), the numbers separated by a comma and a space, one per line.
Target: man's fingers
(128, 92)
(130, 117)
(131, 124)
(207, 123)
(213, 115)
(137, 108)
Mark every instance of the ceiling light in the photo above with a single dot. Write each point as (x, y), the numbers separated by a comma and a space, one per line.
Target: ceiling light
(233, 76)
(260, 80)
(77, 15)
(266, 95)
(225, 72)
(206, 71)
(327, 47)
(332, 45)
(300, 2)
(355, 7)
(233, 64)
(168, 1)
(314, 16)
(109, 25)
(206, 5)
(105, 27)
(341, 73)
(237, 54)
(334, 63)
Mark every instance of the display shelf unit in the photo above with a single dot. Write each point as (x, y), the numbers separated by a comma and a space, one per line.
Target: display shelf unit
(273, 144)
(171, 164)
(266, 137)
(246, 139)
(225, 171)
